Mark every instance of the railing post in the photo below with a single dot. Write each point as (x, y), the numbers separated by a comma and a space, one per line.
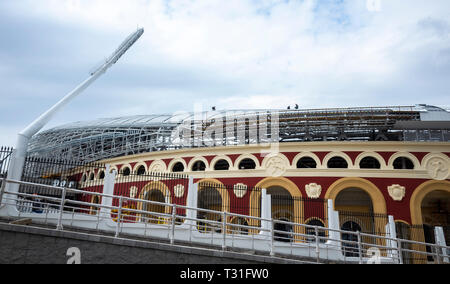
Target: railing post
(438, 259)
(224, 230)
(61, 209)
(119, 216)
(2, 190)
(172, 229)
(399, 250)
(359, 246)
(316, 229)
(272, 239)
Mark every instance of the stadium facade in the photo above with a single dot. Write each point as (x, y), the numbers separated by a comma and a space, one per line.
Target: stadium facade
(372, 162)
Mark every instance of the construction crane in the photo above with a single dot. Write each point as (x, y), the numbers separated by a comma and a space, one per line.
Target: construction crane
(23, 137)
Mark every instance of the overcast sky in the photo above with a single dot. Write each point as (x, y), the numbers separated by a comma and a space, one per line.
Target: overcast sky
(230, 54)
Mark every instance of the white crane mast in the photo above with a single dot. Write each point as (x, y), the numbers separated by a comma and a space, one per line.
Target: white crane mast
(23, 137)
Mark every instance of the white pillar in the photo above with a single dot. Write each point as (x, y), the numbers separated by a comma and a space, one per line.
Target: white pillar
(333, 223)
(108, 188)
(391, 233)
(266, 213)
(191, 201)
(440, 240)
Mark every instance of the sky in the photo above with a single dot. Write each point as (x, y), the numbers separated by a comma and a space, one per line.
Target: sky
(234, 54)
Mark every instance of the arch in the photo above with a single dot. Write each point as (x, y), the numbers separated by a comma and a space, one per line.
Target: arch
(306, 162)
(101, 174)
(222, 157)
(221, 165)
(239, 221)
(178, 167)
(198, 159)
(375, 155)
(306, 154)
(125, 170)
(337, 154)
(220, 188)
(246, 156)
(408, 155)
(420, 193)
(138, 166)
(154, 185)
(287, 185)
(176, 161)
(378, 201)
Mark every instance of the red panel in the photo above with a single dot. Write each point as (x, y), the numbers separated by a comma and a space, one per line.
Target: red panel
(321, 155)
(419, 155)
(290, 155)
(353, 155)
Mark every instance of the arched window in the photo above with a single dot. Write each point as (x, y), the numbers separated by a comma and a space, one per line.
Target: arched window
(140, 170)
(198, 166)
(403, 163)
(369, 163)
(306, 162)
(178, 167)
(337, 163)
(83, 177)
(101, 175)
(126, 171)
(247, 164)
(312, 231)
(91, 176)
(239, 221)
(221, 165)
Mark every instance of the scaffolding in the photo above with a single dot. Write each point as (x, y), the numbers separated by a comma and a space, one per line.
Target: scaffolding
(113, 137)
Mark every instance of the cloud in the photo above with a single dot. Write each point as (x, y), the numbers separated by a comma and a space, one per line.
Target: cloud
(233, 54)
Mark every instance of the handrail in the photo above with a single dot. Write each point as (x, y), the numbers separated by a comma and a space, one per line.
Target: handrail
(225, 227)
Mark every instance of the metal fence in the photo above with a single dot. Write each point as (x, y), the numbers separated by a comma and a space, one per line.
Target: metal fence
(366, 222)
(5, 159)
(320, 248)
(163, 188)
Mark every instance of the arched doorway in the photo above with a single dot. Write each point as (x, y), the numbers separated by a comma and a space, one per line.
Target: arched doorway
(282, 211)
(435, 213)
(356, 213)
(290, 193)
(209, 198)
(157, 196)
(430, 207)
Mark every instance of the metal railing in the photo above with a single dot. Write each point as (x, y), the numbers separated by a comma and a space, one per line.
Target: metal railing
(306, 242)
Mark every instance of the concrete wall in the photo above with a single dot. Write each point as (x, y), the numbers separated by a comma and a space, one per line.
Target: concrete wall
(32, 245)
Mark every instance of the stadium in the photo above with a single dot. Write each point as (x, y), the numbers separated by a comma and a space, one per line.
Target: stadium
(372, 162)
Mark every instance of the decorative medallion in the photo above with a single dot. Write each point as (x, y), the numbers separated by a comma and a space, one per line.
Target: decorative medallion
(178, 190)
(276, 166)
(313, 190)
(438, 168)
(133, 191)
(157, 166)
(396, 191)
(240, 190)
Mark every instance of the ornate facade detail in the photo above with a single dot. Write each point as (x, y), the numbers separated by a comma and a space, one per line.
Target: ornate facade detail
(133, 191)
(178, 190)
(438, 168)
(396, 192)
(276, 166)
(157, 166)
(313, 190)
(240, 190)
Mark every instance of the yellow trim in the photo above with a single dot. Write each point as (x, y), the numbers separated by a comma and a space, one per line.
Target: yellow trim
(419, 194)
(221, 189)
(155, 185)
(378, 201)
